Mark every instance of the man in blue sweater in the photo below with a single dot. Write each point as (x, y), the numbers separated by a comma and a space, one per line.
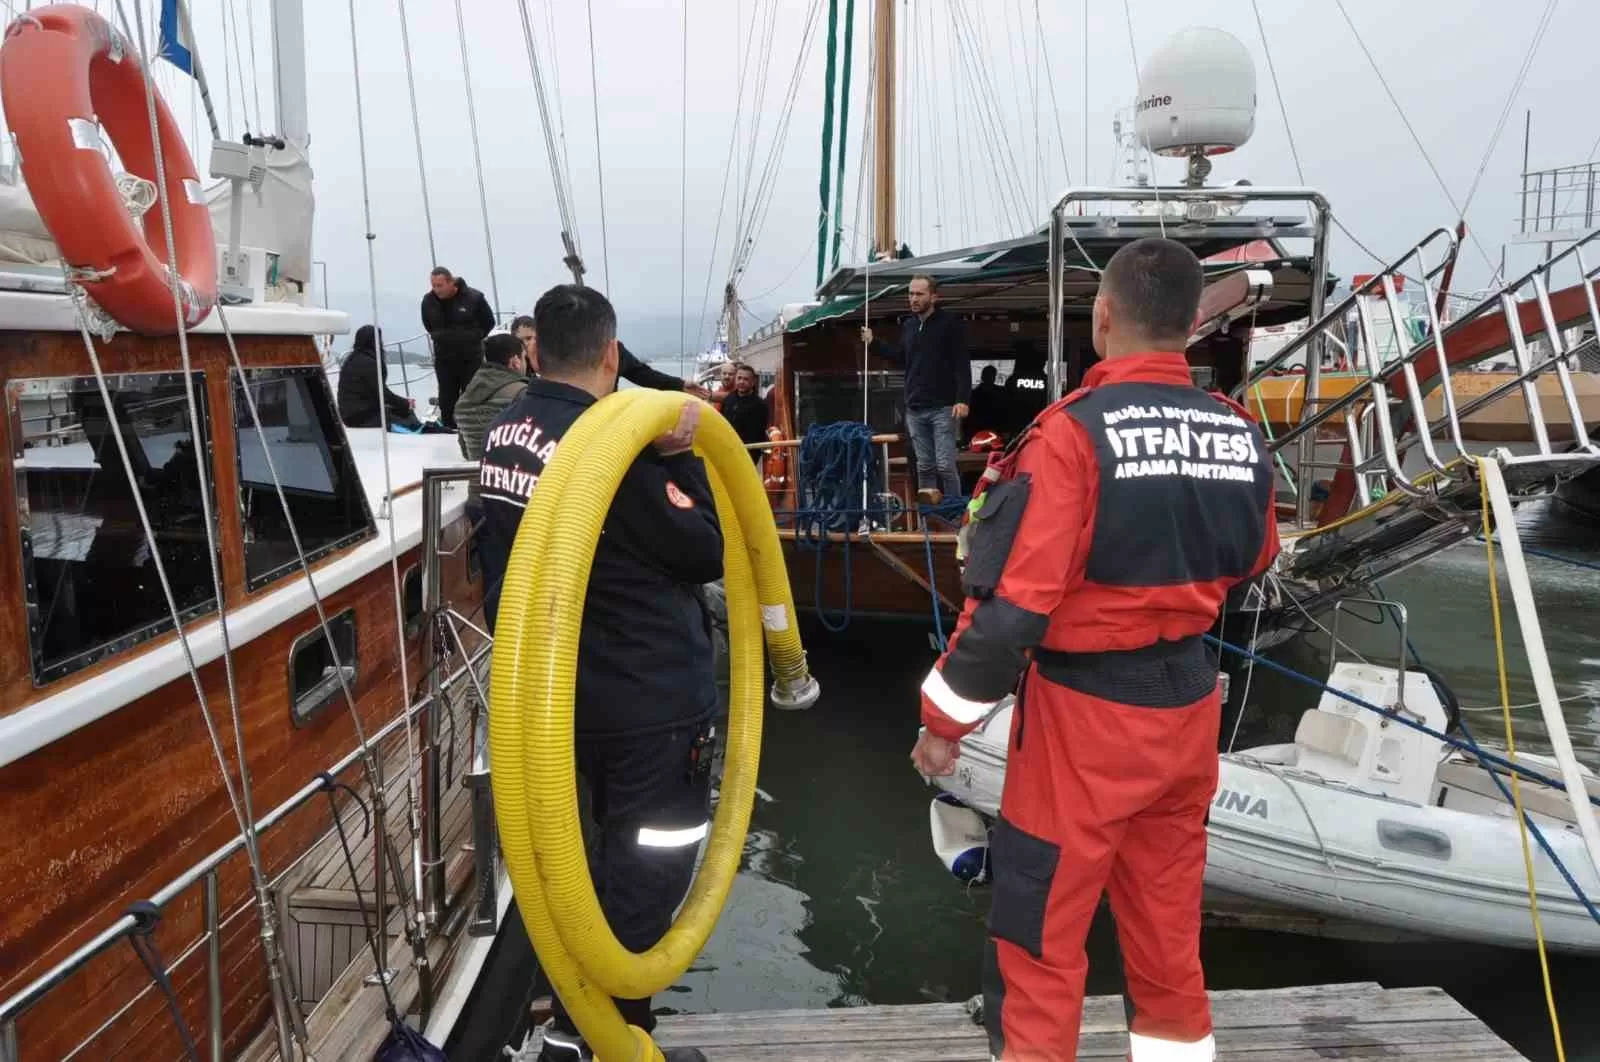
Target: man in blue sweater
(933, 349)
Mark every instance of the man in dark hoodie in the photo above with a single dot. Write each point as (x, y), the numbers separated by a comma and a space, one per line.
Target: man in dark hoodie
(359, 386)
(458, 318)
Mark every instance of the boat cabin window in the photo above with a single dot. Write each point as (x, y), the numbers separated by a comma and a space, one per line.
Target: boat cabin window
(827, 398)
(314, 464)
(411, 596)
(314, 676)
(90, 580)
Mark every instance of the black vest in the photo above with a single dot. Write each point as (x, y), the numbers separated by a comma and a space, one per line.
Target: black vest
(1185, 482)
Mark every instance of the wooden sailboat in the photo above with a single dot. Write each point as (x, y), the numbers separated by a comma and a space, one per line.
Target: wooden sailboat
(132, 743)
(1023, 297)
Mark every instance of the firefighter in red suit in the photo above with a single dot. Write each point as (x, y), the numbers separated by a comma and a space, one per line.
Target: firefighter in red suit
(1096, 562)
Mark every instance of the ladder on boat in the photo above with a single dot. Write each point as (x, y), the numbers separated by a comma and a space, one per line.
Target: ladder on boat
(1405, 483)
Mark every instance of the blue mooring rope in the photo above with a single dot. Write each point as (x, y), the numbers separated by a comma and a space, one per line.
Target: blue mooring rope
(835, 474)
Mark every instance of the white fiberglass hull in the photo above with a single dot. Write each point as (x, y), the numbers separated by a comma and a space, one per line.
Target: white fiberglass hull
(1287, 837)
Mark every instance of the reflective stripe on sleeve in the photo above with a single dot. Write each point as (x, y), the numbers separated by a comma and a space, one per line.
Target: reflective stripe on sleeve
(951, 703)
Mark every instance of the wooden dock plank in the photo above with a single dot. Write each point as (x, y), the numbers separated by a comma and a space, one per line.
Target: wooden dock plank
(1357, 1021)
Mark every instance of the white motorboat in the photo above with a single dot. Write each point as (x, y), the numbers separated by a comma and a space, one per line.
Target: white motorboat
(1361, 818)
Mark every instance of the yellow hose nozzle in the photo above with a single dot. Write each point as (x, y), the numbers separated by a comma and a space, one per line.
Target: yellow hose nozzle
(531, 694)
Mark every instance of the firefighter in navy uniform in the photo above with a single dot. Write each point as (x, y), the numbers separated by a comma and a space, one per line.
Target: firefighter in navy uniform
(646, 684)
(1096, 562)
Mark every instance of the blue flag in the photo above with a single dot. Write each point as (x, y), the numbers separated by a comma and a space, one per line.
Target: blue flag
(176, 47)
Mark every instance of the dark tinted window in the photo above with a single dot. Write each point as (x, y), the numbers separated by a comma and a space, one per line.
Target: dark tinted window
(822, 398)
(314, 677)
(91, 582)
(314, 464)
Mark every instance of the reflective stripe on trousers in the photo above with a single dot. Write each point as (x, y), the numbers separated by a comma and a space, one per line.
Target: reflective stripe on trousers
(650, 837)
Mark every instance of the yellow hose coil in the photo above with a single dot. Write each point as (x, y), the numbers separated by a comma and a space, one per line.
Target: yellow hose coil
(531, 706)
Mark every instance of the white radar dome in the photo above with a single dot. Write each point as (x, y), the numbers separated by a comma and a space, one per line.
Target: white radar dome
(1197, 95)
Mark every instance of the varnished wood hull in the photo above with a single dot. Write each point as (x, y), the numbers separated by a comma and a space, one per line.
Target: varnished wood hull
(114, 810)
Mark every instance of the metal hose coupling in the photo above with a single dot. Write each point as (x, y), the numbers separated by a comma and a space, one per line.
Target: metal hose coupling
(796, 691)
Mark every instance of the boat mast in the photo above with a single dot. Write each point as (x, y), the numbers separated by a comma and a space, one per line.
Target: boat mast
(289, 65)
(884, 242)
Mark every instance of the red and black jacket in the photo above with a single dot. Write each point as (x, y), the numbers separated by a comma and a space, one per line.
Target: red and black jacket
(1145, 500)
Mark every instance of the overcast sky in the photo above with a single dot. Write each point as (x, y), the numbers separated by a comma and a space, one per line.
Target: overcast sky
(1451, 64)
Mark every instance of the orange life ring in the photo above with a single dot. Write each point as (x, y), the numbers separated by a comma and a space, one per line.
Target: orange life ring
(777, 468)
(61, 67)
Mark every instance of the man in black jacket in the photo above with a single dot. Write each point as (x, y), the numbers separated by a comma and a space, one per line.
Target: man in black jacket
(646, 684)
(359, 386)
(457, 317)
(746, 410)
(933, 349)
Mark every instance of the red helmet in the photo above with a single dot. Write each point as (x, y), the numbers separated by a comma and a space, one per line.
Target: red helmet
(985, 441)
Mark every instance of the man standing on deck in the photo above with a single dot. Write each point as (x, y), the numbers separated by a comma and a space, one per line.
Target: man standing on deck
(499, 381)
(646, 683)
(457, 317)
(1135, 503)
(746, 410)
(933, 349)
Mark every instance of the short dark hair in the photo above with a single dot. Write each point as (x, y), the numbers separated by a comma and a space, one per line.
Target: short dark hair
(441, 271)
(574, 324)
(740, 366)
(988, 374)
(1155, 285)
(933, 285)
(522, 321)
(501, 347)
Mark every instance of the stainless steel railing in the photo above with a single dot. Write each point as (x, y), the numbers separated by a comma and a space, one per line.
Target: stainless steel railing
(429, 866)
(1376, 440)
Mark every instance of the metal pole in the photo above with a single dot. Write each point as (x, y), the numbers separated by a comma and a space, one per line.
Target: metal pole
(431, 875)
(1306, 455)
(8, 1043)
(213, 917)
(1058, 272)
(1527, 132)
(380, 899)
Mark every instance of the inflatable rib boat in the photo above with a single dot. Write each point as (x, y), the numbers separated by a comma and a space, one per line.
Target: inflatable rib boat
(1360, 818)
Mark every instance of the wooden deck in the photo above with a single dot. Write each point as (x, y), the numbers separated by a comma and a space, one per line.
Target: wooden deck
(1358, 1021)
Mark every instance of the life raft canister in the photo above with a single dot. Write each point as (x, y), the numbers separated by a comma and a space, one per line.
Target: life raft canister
(66, 74)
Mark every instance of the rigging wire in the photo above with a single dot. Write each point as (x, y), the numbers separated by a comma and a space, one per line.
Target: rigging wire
(227, 71)
(761, 205)
(416, 133)
(477, 161)
(986, 120)
(729, 171)
(983, 61)
(255, 61)
(240, 799)
(1415, 139)
(599, 167)
(868, 142)
(940, 228)
(1277, 90)
(1050, 81)
(558, 175)
(561, 106)
(963, 181)
(758, 109)
(383, 427)
(1511, 99)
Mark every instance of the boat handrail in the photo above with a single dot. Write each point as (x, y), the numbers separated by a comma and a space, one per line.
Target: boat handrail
(20, 1002)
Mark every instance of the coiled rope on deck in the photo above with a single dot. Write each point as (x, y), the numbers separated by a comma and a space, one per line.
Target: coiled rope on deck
(836, 481)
